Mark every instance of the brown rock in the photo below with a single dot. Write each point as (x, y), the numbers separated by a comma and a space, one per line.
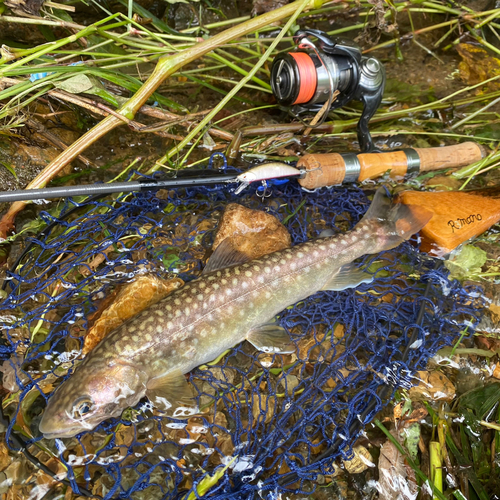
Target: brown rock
(432, 386)
(252, 232)
(131, 299)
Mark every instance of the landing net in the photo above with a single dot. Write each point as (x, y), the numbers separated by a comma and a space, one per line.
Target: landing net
(263, 415)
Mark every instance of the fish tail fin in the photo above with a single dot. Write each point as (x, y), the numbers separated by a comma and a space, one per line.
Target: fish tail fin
(393, 222)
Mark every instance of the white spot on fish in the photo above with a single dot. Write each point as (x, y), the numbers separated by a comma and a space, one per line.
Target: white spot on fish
(177, 302)
(169, 308)
(200, 296)
(267, 269)
(256, 268)
(135, 338)
(235, 281)
(187, 310)
(148, 337)
(170, 324)
(300, 255)
(223, 281)
(215, 286)
(202, 285)
(354, 239)
(178, 313)
(248, 273)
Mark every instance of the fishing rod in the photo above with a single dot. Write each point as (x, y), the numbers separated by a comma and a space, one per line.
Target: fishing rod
(312, 171)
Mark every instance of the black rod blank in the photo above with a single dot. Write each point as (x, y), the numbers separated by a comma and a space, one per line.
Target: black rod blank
(112, 187)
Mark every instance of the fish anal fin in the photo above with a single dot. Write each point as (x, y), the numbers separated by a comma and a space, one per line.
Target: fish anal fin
(271, 338)
(225, 255)
(347, 277)
(172, 393)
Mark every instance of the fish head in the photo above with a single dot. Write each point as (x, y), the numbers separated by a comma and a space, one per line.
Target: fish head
(91, 395)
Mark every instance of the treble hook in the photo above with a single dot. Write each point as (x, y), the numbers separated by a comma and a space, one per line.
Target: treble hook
(263, 191)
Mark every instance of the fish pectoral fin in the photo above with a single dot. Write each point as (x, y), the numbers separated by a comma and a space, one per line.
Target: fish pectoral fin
(225, 255)
(271, 338)
(326, 233)
(172, 392)
(347, 277)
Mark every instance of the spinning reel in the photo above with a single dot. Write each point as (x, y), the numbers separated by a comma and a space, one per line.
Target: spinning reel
(310, 77)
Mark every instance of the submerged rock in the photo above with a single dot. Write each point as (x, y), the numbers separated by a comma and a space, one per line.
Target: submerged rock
(252, 232)
(131, 299)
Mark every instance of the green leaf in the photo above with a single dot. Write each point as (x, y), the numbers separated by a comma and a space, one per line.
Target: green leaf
(10, 168)
(466, 261)
(208, 481)
(76, 84)
(481, 401)
(411, 439)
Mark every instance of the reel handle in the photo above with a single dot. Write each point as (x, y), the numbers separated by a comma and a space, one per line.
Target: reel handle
(335, 168)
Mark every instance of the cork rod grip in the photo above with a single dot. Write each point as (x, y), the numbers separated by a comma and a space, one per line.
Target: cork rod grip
(329, 169)
(459, 155)
(322, 170)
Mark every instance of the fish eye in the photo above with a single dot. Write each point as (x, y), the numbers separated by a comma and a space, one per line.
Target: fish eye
(82, 406)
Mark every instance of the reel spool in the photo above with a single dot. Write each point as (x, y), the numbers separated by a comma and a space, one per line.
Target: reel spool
(308, 77)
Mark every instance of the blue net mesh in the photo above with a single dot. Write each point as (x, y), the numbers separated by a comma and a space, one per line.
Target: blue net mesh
(263, 415)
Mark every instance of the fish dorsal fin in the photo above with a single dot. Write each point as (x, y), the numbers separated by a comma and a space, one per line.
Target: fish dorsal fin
(225, 255)
(347, 277)
(172, 393)
(271, 337)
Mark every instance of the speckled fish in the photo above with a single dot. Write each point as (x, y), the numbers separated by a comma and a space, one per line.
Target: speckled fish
(232, 301)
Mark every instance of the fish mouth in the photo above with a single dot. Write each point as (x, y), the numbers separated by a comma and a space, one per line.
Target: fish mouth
(50, 432)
